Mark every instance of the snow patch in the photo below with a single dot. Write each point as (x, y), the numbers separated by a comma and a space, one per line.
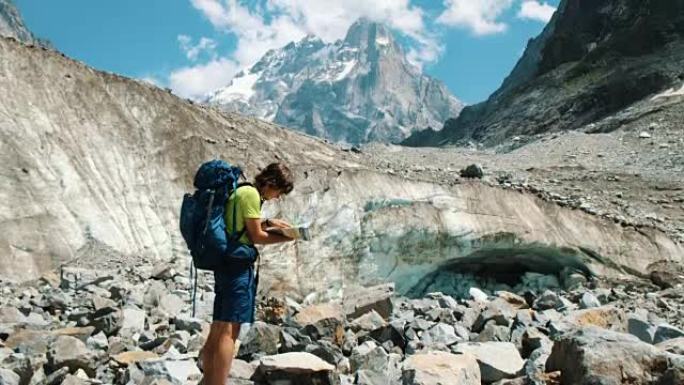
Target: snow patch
(241, 87)
(347, 67)
(382, 40)
(669, 93)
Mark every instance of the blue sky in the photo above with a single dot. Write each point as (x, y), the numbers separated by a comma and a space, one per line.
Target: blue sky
(195, 46)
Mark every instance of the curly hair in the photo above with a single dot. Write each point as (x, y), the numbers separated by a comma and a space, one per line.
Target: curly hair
(276, 175)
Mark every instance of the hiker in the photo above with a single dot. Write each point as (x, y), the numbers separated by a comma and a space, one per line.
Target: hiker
(235, 288)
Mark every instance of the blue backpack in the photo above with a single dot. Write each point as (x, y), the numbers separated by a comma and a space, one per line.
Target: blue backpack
(202, 220)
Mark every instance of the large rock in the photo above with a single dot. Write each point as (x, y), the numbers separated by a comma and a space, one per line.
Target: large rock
(260, 338)
(11, 315)
(675, 346)
(499, 310)
(327, 351)
(132, 320)
(297, 368)
(497, 360)
(8, 377)
(241, 371)
(606, 317)
(30, 342)
(368, 355)
(391, 333)
(358, 301)
(368, 322)
(666, 332)
(187, 323)
(548, 300)
(127, 358)
(70, 352)
(441, 368)
(440, 334)
(322, 320)
(82, 333)
(171, 304)
(639, 326)
(593, 355)
(175, 371)
(107, 320)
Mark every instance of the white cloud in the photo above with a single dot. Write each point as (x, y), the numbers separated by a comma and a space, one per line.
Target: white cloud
(261, 25)
(535, 10)
(197, 81)
(481, 17)
(191, 51)
(290, 20)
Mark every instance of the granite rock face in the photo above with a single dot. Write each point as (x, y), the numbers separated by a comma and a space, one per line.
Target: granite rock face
(592, 60)
(355, 90)
(11, 23)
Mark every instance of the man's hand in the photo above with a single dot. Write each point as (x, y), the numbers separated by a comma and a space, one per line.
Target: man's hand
(278, 223)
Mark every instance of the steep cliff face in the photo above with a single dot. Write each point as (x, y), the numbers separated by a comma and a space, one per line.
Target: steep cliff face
(11, 23)
(96, 164)
(593, 59)
(355, 90)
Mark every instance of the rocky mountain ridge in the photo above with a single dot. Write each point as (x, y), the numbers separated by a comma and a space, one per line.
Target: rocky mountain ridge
(355, 90)
(591, 61)
(11, 23)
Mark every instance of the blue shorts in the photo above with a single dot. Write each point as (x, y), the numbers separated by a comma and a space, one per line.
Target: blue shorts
(235, 295)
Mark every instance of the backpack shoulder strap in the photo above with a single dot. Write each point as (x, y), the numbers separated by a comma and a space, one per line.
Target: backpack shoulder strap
(238, 234)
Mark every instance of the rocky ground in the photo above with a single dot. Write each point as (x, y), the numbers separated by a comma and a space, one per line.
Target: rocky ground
(133, 325)
(633, 174)
(101, 320)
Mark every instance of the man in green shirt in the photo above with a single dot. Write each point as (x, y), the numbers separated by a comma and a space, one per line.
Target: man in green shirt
(235, 289)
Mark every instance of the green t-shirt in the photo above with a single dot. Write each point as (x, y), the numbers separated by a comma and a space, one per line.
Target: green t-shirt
(248, 207)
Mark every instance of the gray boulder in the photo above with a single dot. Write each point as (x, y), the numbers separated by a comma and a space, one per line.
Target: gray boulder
(241, 370)
(497, 360)
(438, 368)
(494, 332)
(8, 377)
(666, 332)
(327, 351)
(535, 366)
(107, 320)
(499, 310)
(261, 338)
(369, 321)
(72, 353)
(132, 321)
(593, 355)
(171, 304)
(29, 342)
(296, 368)
(322, 320)
(174, 371)
(358, 301)
(639, 326)
(472, 171)
(440, 334)
(674, 346)
(588, 301)
(368, 355)
(187, 323)
(389, 333)
(548, 300)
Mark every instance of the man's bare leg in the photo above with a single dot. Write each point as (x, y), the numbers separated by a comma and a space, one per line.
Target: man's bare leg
(217, 354)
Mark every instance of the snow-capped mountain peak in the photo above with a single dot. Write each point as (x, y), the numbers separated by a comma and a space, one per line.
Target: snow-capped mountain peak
(357, 89)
